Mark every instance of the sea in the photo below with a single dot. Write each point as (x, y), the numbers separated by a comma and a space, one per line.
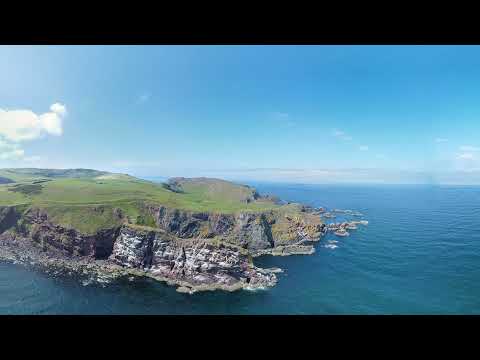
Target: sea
(419, 254)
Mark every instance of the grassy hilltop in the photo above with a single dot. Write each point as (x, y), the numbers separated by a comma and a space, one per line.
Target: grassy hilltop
(89, 199)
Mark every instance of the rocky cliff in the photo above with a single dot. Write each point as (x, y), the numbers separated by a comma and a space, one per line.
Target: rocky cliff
(251, 231)
(193, 250)
(195, 265)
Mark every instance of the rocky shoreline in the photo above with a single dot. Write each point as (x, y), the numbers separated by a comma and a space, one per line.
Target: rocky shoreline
(197, 234)
(104, 272)
(194, 252)
(91, 270)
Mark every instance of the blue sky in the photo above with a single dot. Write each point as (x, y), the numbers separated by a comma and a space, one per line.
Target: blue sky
(312, 114)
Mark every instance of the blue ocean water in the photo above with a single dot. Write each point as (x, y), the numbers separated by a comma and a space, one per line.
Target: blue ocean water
(419, 254)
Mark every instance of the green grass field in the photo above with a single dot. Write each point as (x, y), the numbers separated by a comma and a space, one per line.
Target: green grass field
(87, 199)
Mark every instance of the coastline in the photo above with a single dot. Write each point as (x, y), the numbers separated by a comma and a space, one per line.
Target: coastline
(193, 250)
(131, 244)
(89, 270)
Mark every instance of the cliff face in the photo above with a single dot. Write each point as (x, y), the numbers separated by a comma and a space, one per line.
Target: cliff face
(197, 251)
(36, 227)
(253, 231)
(9, 217)
(247, 230)
(196, 264)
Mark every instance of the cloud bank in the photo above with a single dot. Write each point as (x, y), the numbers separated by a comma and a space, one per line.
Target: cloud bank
(10, 151)
(25, 125)
(339, 134)
(17, 126)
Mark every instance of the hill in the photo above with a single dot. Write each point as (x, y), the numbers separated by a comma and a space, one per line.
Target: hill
(199, 234)
(28, 174)
(71, 196)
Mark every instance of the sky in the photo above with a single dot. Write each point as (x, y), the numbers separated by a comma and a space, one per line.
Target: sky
(303, 114)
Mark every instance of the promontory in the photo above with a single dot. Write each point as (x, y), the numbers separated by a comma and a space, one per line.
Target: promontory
(194, 233)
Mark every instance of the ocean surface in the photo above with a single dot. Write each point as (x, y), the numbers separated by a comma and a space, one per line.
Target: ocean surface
(419, 254)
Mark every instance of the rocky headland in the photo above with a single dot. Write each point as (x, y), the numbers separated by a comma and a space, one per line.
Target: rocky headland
(193, 250)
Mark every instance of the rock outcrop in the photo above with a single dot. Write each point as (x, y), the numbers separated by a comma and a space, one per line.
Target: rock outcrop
(9, 217)
(195, 251)
(197, 265)
(36, 227)
(254, 231)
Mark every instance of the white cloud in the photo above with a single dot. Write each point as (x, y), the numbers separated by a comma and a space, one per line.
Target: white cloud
(51, 123)
(10, 151)
(18, 126)
(25, 125)
(59, 109)
(143, 98)
(6, 146)
(341, 135)
(363, 148)
(441, 140)
(12, 155)
(318, 176)
(466, 156)
(469, 148)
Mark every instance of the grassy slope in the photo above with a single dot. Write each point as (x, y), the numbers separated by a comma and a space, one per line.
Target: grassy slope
(214, 188)
(89, 203)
